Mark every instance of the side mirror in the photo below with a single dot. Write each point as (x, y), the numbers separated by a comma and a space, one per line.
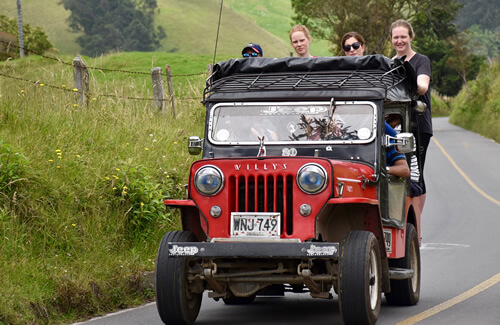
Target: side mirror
(194, 145)
(405, 142)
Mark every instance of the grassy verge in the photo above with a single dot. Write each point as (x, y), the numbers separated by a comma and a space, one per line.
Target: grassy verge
(479, 110)
(81, 188)
(440, 105)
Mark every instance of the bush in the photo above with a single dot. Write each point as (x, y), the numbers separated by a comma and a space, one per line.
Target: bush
(142, 198)
(479, 110)
(439, 104)
(12, 168)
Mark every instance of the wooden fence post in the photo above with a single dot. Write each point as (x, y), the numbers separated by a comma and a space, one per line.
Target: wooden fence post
(170, 88)
(81, 76)
(210, 69)
(158, 90)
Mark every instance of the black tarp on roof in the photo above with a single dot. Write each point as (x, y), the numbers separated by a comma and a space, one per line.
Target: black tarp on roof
(372, 75)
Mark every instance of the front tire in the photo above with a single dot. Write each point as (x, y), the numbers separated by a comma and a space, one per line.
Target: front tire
(407, 292)
(176, 303)
(360, 286)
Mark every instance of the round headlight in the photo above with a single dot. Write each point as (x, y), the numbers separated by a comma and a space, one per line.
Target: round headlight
(208, 180)
(312, 178)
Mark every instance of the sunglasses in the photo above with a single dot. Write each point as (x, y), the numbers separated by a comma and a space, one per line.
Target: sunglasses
(355, 46)
(253, 55)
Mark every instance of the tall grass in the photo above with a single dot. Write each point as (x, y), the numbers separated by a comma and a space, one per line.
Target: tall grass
(479, 110)
(81, 188)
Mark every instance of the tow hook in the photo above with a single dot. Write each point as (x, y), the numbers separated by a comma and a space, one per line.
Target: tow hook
(306, 273)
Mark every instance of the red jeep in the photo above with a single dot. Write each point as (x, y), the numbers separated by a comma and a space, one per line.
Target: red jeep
(292, 192)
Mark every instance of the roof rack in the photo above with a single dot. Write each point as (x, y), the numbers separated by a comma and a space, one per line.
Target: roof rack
(257, 75)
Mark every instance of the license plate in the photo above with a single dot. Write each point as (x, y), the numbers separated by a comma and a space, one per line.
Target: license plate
(255, 224)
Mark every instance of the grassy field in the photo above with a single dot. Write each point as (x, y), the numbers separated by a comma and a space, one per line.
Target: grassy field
(191, 26)
(81, 188)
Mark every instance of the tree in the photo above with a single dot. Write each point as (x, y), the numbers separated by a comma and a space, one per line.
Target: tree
(485, 13)
(484, 42)
(432, 22)
(35, 39)
(331, 19)
(466, 64)
(114, 25)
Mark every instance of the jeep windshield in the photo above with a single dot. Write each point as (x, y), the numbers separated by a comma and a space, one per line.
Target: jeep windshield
(247, 123)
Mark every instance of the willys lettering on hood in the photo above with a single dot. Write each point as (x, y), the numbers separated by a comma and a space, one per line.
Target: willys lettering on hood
(261, 166)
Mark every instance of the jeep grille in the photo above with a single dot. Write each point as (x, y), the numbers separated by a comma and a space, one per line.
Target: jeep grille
(272, 193)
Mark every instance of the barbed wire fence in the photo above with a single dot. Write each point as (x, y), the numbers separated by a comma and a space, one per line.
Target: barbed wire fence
(81, 81)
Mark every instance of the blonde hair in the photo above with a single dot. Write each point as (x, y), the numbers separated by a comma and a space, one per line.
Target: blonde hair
(405, 24)
(300, 28)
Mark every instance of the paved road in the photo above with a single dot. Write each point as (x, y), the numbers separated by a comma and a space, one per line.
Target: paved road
(460, 252)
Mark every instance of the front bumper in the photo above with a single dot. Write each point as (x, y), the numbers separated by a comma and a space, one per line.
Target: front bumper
(268, 250)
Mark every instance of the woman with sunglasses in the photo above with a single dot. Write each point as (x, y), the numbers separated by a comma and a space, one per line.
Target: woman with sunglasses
(353, 44)
(252, 50)
(300, 40)
(402, 35)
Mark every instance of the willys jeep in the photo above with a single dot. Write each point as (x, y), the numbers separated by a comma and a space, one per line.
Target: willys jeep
(292, 193)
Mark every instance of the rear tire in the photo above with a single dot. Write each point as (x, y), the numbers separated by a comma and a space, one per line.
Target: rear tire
(360, 286)
(175, 302)
(407, 292)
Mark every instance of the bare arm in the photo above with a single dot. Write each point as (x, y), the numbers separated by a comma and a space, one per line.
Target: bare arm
(423, 82)
(399, 168)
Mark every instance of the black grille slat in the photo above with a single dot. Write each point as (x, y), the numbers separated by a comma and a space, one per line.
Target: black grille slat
(272, 193)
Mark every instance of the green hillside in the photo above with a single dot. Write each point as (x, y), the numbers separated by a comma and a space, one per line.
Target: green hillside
(276, 18)
(191, 25)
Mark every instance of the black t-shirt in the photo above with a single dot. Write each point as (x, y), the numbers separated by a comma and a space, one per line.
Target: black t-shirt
(422, 65)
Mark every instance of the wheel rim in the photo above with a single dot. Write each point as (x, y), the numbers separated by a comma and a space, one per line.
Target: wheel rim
(373, 281)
